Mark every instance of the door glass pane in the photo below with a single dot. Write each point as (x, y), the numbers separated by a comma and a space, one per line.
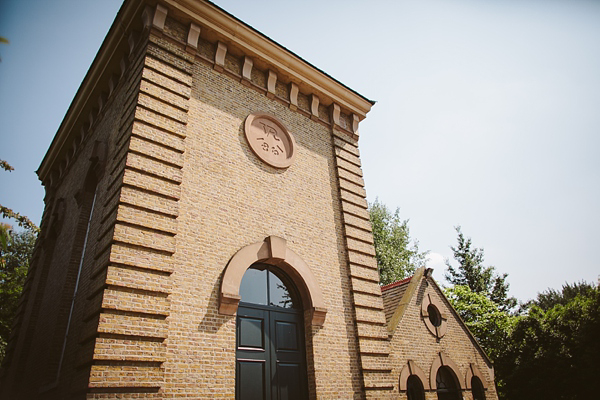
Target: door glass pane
(279, 294)
(253, 288)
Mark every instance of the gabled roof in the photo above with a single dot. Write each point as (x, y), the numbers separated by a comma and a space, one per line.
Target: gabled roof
(398, 295)
(392, 294)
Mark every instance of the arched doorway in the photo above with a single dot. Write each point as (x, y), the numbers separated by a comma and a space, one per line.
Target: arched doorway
(270, 355)
(447, 384)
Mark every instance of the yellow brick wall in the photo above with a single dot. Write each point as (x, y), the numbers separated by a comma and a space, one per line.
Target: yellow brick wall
(192, 194)
(231, 199)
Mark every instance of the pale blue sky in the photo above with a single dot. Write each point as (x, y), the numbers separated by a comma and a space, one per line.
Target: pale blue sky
(487, 113)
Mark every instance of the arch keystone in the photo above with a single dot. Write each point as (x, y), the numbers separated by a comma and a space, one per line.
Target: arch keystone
(277, 247)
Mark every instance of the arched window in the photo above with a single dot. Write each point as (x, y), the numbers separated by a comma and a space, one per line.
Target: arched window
(447, 384)
(270, 356)
(413, 381)
(414, 388)
(477, 388)
(266, 285)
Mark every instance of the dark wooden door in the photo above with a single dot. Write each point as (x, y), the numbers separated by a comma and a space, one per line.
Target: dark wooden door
(270, 354)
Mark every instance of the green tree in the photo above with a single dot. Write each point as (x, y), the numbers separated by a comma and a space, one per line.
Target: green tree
(491, 326)
(15, 254)
(14, 263)
(472, 273)
(4, 235)
(6, 212)
(480, 296)
(397, 256)
(551, 297)
(553, 351)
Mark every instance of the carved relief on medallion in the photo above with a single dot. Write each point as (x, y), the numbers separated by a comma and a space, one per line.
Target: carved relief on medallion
(270, 140)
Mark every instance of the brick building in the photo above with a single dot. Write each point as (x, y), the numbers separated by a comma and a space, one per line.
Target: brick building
(205, 232)
(432, 351)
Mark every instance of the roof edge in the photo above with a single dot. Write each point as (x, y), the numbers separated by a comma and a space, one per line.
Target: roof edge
(115, 38)
(229, 29)
(405, 300)
(290, 51)
(257, 44)
(395, 284)
(462, 322)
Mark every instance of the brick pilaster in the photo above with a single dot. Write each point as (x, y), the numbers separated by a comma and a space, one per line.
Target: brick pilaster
(370, 320)
(130, 306)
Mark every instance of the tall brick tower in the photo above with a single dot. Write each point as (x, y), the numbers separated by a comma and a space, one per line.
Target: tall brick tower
(205, 232)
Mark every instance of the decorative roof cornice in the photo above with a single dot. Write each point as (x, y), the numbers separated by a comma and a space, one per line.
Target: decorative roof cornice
(254, 44)
(219, 27)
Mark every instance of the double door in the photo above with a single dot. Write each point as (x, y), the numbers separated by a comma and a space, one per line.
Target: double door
(270, 356)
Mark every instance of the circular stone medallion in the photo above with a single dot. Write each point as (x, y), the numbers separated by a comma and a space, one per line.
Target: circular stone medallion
(270, 140)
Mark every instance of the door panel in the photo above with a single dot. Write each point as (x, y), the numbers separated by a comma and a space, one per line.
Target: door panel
(251, 333)
(251, 376)
(286, 336)
(289, 384)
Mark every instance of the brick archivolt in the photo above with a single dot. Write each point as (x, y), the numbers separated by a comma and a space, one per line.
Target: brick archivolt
(411, 368)
(474, 371)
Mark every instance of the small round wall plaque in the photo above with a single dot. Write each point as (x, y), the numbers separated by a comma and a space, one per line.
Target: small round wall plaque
(270, 140)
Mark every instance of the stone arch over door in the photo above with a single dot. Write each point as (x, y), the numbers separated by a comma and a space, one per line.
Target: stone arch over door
(273, 250)
(442, 360)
